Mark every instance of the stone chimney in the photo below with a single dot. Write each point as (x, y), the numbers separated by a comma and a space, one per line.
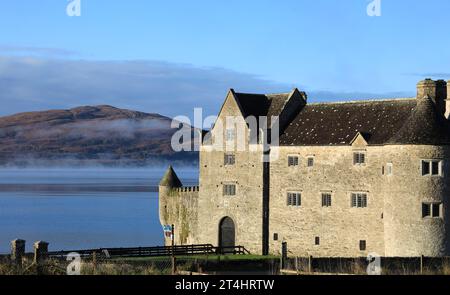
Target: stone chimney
(447, 102)
(436, 90)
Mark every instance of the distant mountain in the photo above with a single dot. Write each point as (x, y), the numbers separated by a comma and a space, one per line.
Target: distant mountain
(88, 135)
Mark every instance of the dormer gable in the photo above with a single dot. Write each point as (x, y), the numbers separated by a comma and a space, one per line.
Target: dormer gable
(360, 140)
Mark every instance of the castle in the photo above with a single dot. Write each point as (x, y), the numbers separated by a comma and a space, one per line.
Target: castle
(348, 179)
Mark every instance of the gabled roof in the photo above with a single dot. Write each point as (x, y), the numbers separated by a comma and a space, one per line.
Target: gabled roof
(170, 179)
(258, 105)
(360, 138)
(267, 105)
(378, 122)
(403, 121)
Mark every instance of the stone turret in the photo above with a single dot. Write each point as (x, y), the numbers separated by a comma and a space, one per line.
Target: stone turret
(170, 179)
(436, 91)
(178, 206)
(168, 183)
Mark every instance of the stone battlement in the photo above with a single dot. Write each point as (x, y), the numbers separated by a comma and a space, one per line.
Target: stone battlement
(187, 189)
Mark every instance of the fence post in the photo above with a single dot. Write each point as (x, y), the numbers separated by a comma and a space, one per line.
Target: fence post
(283, 255)
(40, 254)
(17, 252)
(296, 264)
(174, 265)
(310, 259)
(421, 264)
(174, 262)
(94, 263)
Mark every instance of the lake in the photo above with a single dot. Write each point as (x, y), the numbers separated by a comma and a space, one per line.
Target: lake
(83, 208)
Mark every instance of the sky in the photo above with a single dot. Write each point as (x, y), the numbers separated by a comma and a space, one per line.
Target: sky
(169, 57)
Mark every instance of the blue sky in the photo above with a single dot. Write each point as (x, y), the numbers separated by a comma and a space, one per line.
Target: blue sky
(154, 55)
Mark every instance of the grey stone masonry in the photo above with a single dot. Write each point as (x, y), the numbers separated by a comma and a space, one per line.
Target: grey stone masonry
(17, 251)
(346, 179)
(40, 251)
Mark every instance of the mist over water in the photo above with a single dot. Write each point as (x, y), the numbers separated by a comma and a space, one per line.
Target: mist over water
(83, 208)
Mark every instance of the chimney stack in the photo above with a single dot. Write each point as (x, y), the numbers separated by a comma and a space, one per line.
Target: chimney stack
(437, 91)
(441, 95)
(447, 101)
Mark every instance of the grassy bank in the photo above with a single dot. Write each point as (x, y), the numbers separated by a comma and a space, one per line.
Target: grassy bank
(228, 264)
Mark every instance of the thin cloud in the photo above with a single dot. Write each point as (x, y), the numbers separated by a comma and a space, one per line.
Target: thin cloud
(38, 83)
(436, 75)
(30, 83)
(35, 51)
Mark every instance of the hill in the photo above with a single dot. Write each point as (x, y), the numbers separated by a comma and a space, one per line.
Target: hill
(88, 135)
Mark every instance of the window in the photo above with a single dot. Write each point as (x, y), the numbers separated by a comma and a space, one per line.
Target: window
(229, 189)
(431, 210)
(230, 159)
(362, 245)
(436, 210)
(292, 161)
(294, 199)
(317, 241)
(389, 169)
(275, 237)
(359, 158)
(229, 134)
(326, 200)
(431, 167)
(359, 200)
(310, 162)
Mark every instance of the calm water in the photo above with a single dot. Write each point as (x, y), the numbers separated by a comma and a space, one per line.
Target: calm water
(82, 208)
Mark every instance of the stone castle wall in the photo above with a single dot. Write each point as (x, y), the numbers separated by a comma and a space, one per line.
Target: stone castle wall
(179, 206)
(339, 227)
(406, 232)
(392, 223)
(245, 208)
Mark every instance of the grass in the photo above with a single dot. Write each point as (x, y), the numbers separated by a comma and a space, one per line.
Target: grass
(162, 266)
(128, 266)
(55, 268)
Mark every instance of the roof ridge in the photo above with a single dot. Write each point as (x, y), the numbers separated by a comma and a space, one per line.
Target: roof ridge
(263, 94)
(247, 93)
(281, 93)
(364, 101)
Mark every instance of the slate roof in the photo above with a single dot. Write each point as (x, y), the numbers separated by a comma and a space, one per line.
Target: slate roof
(424, 126)
(399, 121)
(170, 179)
(261, 104)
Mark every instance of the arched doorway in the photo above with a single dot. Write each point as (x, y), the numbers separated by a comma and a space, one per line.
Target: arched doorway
(227, 233)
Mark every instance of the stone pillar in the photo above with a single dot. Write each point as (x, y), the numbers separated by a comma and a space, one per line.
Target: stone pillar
(447, 101)
(17, 251)
(40, 251)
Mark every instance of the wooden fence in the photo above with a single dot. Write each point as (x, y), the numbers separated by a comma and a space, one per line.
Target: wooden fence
(359, 265)
(158, 251)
